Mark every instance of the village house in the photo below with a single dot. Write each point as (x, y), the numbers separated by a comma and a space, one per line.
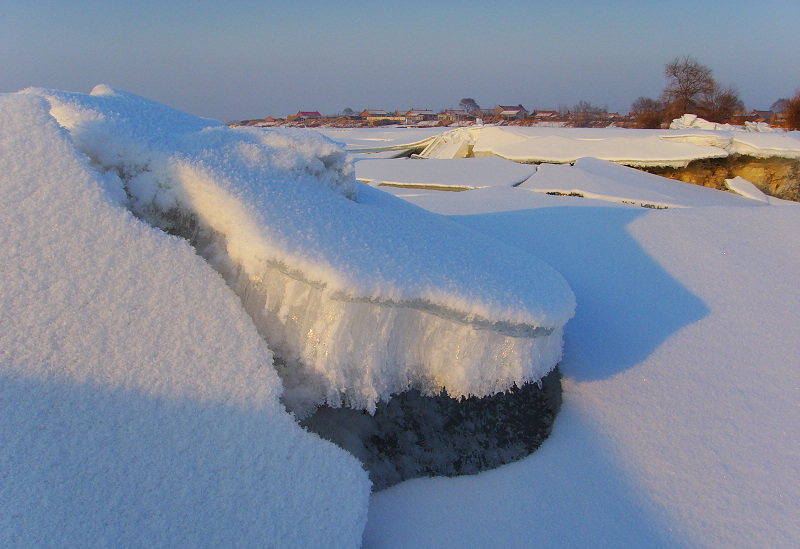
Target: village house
(451, 115)
(762, 116)
(379, 117)
(547, 115)
(415, 115)
(511, 113)
(305, 115)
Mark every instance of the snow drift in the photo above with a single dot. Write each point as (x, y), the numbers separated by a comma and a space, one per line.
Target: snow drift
(138, 406)
(359, 298)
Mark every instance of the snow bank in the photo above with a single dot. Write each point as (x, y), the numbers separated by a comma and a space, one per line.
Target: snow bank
(138, 406)
(360, 299)
(454, 174)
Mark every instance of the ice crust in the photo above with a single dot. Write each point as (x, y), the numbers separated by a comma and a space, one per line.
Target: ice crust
(138, 406)
(360, 298)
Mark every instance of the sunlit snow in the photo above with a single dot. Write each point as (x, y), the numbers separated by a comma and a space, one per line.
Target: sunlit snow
(139, 405)
(351, 294)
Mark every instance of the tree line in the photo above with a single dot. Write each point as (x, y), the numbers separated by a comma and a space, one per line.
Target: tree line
(691, 88)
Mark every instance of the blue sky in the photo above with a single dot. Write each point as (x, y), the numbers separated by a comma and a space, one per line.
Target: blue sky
(233, 60)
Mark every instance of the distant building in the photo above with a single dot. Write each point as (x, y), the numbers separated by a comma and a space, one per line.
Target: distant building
(378, 117)
(451, 115)
(547, 115)
(416, 115)
(762, 116)
(305, 115)
(511, 113)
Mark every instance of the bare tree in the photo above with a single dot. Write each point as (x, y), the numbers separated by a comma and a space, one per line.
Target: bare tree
(720, 104)
(469, 105)
(779, 106)
(687, 82)
(792, 112)
(584, 113)
(647, 113)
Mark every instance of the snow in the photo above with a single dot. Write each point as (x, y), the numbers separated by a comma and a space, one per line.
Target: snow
(335, 285)
(138, 406)
(639, 148)
(602, 180)
(743, 187)
(119, 424)
(679, 426)
(455, 174)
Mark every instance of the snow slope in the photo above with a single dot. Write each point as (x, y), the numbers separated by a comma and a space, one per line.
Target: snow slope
(138, 406)
(680, 424)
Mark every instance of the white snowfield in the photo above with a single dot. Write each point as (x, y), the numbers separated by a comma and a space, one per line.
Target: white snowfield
(639, 148)
(138, 405)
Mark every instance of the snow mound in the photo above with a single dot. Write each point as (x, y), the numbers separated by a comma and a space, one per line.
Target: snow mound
(138, 406)
(361, 298)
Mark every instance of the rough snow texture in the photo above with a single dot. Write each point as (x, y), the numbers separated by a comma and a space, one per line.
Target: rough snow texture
(359, 299)
(138, 405)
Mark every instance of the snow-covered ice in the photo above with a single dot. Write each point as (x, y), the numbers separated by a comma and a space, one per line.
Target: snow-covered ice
(639, 148)
(336, 285)
(743, 187)
(603, 180)
(453, 174)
